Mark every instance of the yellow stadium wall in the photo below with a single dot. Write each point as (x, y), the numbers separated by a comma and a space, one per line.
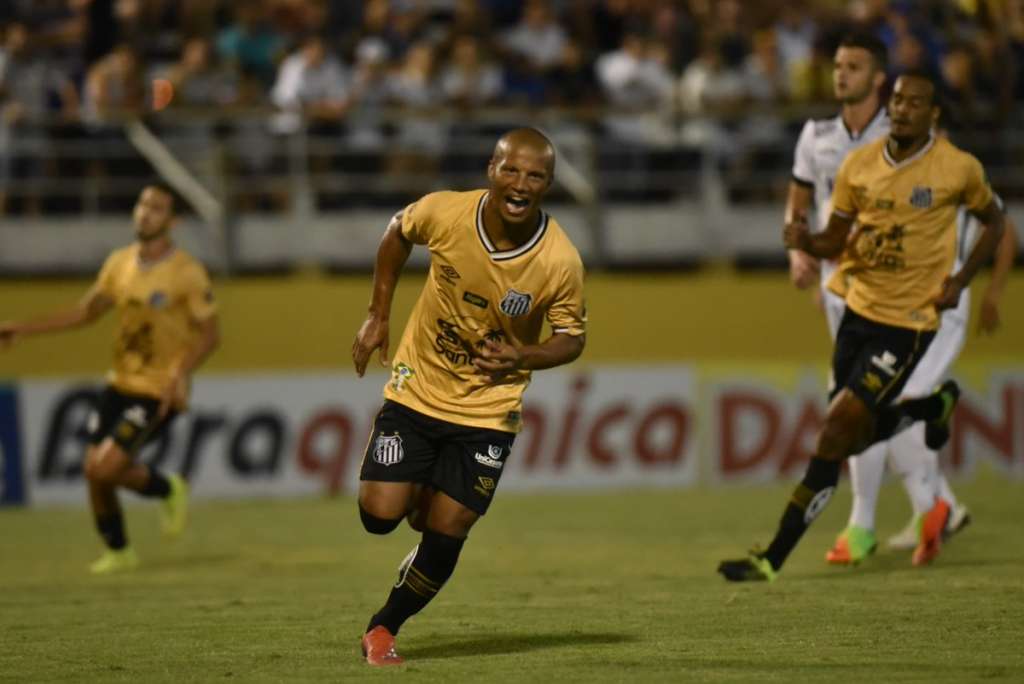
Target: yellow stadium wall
(308, 322)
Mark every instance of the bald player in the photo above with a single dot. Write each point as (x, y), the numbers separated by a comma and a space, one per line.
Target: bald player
(500, 268)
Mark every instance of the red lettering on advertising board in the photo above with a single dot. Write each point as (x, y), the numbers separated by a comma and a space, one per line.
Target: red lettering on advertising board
(600, 452)
(733, 407)
(1000, 432)
(324, 425)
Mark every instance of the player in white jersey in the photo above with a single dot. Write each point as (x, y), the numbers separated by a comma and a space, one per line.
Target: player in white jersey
(858, 80)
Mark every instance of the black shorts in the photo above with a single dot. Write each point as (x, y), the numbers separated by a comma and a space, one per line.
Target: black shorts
(463, 462)
(130, 420)
(874, 360)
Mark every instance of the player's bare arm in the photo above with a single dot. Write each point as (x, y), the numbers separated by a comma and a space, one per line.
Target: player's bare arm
(91, 307)
(497, 360)
(208, 341)
(1006, 252)
(992, 228)
(827, 244)
(803, 268)
(392, 254)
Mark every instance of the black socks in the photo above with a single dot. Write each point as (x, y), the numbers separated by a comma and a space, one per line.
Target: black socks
(157, 487)
(809, 499)
(420, 578)
(111, 528)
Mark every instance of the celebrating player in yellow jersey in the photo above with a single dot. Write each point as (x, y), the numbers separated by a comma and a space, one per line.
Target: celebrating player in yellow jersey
(500, 267)
(167, 326)
(893, 221)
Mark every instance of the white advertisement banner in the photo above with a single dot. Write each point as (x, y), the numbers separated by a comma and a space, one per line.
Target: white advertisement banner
(287, 435)
(650, 426)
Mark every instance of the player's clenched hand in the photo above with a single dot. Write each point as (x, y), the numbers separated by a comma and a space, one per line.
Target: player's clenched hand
(796, 232)
(7, 333)
(949, 295)
(496, 360)
(373, 334)
(988, 321)
(804, 269)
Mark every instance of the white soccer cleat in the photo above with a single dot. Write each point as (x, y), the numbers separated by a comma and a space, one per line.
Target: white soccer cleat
(906, 539)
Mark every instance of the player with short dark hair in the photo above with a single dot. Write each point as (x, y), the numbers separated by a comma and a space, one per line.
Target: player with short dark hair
(167, 326)
(500, 268)
(902, 193)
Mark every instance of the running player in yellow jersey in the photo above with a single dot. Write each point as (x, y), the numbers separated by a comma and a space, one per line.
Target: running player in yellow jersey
(167, 326)
(893, 221)
(500, 268)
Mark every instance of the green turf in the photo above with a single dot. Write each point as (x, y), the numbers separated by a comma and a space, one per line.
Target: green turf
(582, 587)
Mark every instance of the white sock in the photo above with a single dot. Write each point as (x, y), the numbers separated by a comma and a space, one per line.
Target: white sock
(917, 465)
(866, 471)
(945, 491)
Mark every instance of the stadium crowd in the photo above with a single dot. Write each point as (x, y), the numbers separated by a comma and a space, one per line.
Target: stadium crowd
(649, 73)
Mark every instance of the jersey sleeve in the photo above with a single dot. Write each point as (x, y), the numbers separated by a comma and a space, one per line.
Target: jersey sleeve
(843, 200)
(977, 193)
(105, 281)
(568, 312)
(803, 158)
(418, 224)
(199, 294)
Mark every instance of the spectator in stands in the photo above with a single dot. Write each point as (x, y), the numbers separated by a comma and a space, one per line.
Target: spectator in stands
(469, 79)
(250, 43)
(198, 80)
(114, 87)
(311, 84)
(710, 88)
(636, 81)
(370, 83)
(28, 83)
(420, 136)
(535, 48)
(795, 31)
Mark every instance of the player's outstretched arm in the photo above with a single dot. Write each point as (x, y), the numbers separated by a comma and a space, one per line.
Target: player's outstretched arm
(1006, 252)
(497, 359)
(803, 268)
(827, 244)
(992, 227)
(93, 305)
(193, 358)
(392, 254)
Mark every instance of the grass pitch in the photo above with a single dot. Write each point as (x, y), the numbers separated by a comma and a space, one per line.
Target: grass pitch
(581, 587)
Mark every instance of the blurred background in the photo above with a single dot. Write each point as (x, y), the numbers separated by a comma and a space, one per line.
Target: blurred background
(297, 127)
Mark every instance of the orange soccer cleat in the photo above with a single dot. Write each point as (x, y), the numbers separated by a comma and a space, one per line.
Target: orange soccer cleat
(933, 523)
(379, 647)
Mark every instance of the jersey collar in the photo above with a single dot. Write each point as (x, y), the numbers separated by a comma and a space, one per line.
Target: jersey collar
(494, 252)
(912, 158)
(880, 114)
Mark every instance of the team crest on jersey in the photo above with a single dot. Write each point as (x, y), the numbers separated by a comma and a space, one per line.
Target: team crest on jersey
(921, 197)
(516, 303)
(388, 450)
(158, 299)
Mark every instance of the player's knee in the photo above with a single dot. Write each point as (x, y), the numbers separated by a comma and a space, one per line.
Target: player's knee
(104, 465)
(377, 525)
(844, 431)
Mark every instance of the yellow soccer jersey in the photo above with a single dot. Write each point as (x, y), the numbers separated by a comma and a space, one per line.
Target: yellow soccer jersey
(904, 240)
(475, 293)
(158, 306)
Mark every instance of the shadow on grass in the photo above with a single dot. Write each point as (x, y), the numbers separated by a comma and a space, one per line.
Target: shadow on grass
(500, 644)
(195, 560)
(900, 566)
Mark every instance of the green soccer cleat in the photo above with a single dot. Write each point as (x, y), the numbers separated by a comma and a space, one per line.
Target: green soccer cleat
(174, 509)
(936, 432)
(853, 545)
(753, 568)
(114, 561)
